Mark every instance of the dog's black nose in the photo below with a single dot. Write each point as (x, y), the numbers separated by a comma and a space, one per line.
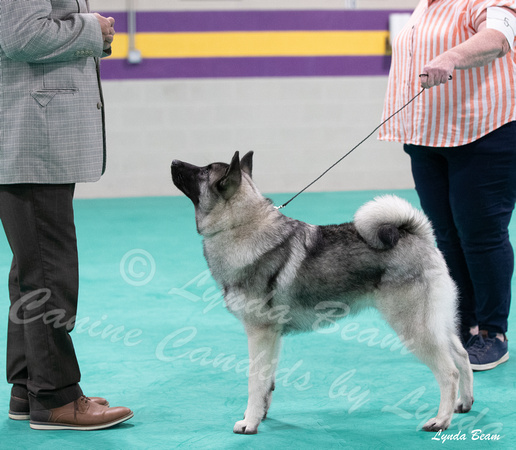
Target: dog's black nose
(175, 163)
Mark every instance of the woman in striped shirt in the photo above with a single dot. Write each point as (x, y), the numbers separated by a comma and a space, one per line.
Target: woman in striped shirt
(461, 137)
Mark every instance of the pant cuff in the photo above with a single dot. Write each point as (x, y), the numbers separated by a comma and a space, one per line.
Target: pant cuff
(54, 399)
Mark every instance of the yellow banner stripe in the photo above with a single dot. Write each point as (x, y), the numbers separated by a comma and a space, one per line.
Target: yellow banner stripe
(242, 44)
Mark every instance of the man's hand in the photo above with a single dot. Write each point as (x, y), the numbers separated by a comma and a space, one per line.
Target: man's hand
(107, 25)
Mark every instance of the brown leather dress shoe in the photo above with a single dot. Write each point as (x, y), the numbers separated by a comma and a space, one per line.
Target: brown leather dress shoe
(19, 406)
(81, 414)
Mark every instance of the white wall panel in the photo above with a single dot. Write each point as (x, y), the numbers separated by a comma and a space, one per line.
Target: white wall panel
(296, 126)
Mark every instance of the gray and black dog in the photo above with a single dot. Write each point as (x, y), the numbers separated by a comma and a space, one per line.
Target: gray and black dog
(280, 275)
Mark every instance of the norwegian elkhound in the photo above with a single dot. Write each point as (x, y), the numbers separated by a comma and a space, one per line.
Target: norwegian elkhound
(268, 264)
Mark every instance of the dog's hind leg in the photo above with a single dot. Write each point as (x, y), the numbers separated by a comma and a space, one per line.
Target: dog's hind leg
(437, 356)
(461, 359)
(427, 337)
(263, 342)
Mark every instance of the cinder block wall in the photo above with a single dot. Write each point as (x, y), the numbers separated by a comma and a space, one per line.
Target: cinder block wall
(297, 126)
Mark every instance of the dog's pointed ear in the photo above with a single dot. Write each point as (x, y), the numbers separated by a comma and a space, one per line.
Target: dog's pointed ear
(246, 163)
(231, 180)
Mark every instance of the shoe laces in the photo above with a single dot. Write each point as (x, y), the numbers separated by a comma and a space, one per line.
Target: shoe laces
(81, 399)
(477, 346)
(480, 344)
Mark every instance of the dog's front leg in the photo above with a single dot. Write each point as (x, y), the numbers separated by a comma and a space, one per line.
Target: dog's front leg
(263, 344)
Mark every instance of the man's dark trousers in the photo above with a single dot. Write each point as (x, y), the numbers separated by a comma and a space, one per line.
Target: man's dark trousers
(39, 224)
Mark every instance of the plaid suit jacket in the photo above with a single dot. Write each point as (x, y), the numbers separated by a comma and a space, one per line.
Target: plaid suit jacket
(51, 106)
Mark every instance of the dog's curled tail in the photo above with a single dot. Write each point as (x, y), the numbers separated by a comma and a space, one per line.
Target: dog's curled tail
(381, 221)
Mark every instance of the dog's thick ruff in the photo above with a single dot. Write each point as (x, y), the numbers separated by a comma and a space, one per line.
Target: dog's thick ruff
(280, 275)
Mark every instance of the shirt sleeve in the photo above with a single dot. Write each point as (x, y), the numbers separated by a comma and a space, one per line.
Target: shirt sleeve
(477, 7)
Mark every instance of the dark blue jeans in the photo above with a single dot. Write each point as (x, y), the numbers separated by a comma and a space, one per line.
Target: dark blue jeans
(469, 192)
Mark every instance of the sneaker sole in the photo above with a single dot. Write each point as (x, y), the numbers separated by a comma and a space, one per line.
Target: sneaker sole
(65, 426)
(481, 367)
(19, 416)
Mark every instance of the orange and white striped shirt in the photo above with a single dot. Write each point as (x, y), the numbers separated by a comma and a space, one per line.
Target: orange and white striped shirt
(476, 102)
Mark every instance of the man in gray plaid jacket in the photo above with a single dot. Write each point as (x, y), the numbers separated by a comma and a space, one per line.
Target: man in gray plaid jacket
(51, 137)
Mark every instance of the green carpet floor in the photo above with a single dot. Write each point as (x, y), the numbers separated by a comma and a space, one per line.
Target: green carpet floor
(153, 334)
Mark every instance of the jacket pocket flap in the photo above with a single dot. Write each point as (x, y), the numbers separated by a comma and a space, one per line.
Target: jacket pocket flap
(44, 96)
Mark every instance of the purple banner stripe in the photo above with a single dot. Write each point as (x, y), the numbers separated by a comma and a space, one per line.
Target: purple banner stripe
(116, 69)
(199, 21)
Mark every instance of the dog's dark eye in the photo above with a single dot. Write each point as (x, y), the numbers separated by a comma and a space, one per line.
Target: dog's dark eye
(204, 172)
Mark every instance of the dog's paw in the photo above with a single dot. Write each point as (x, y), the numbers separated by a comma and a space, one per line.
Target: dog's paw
(245, 427)
(463, 406)
(436, 425)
